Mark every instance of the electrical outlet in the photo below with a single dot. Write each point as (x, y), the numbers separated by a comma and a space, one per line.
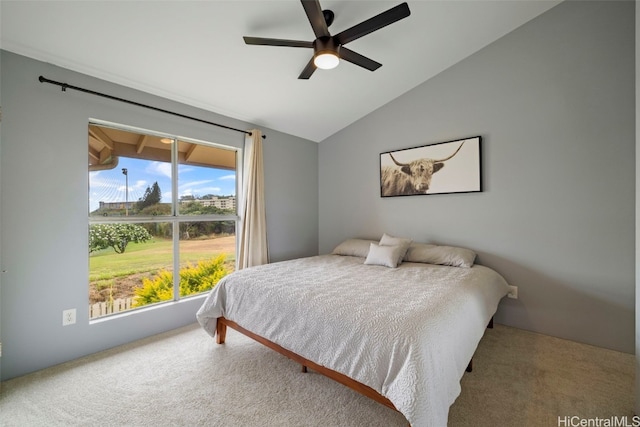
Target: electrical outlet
(513, 292)
(69, 317)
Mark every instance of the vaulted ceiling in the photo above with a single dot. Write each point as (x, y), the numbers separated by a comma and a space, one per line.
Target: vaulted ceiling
(193, 51)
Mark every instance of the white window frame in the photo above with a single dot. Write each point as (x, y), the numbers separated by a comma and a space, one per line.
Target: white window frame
(175, 218)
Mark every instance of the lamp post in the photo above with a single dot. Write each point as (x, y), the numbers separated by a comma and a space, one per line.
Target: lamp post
(125, 172)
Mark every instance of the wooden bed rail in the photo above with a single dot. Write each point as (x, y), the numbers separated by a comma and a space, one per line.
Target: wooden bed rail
(221, 331)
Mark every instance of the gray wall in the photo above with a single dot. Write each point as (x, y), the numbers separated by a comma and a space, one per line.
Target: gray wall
(554, 103)
(43, 197)
(291, 196)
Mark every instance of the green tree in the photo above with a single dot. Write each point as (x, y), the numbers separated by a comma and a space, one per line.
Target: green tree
(152, 195)
(116, 236)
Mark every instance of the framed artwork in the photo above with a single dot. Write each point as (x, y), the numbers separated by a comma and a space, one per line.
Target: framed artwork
(442, 168)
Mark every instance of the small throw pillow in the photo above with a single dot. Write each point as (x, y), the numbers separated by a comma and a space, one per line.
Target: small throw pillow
(387, 256)
(388, 240)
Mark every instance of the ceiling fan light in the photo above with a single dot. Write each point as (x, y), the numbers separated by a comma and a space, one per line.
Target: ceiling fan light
(166, 140)
(326, 60)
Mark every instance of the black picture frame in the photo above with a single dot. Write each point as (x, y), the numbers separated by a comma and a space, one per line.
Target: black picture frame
(441, 168)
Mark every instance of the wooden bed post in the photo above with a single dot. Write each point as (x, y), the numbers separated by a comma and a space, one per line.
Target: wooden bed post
(221, 331)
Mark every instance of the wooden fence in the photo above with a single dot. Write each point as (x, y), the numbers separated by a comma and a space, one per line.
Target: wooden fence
(109, 307)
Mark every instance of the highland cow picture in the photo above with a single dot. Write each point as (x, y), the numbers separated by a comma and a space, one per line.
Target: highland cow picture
(442, 168)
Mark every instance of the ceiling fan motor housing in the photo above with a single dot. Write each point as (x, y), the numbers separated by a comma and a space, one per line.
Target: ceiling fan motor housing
(326, 44)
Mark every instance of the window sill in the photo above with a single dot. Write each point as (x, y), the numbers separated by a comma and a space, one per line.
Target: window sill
(152, 307)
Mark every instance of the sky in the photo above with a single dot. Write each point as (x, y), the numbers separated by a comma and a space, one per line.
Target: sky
(110, 185)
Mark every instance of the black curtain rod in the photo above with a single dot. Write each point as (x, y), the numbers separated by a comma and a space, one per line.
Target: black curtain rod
(66, 86)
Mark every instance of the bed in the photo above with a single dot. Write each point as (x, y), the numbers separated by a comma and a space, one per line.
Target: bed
(395, 320)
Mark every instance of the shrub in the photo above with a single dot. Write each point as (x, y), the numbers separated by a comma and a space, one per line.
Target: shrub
(193, 280)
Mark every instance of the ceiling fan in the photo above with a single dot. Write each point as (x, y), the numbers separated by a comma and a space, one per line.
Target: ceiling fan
(328, 49)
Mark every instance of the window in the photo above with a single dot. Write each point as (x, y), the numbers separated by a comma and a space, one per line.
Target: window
(158, 204)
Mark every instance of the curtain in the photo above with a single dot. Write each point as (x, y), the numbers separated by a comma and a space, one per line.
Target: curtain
(253, 230)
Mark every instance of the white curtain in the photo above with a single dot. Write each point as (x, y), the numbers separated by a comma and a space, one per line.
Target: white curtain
(253, 230)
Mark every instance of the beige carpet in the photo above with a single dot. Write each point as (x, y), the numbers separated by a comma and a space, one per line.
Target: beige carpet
(182, 378)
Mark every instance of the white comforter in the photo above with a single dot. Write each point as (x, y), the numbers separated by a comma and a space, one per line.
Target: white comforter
(407, 332)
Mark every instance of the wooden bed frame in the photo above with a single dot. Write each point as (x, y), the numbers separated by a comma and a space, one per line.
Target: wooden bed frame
(221, 333)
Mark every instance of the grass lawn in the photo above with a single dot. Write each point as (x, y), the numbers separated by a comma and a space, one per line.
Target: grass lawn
(113, 275)
(154, 255)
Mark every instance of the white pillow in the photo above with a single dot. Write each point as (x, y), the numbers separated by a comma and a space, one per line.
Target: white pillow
(442, 255)
(388, 240)
(353, 247)
(387, 256)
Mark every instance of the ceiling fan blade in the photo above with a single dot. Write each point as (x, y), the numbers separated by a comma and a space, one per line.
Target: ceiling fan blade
(356, 58)
(308, 70)
(373, 24)
(277, 42)
(316, 17)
